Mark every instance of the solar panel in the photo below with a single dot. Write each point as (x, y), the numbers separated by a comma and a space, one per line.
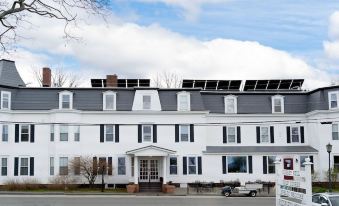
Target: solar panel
(283, 84)
(98, 82)
(122, 83)
(212, 84)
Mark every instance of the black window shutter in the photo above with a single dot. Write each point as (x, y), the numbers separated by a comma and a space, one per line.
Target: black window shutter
(191, 133)
(16, 133)
(184, 165)
(264, 164)
(155, 133)
(102, 133)
(139, 133)
(31, 166)
(288, 131)
(224, 171)
(272, 133)
(250, 167)
(16, 166)
(302, 134)
(95, 165)
(224, 134)
(117, 133)
(109, 166)
(199, 166)
(238, 134)
(312, 166)
(32, 132)
(176, 133)
(258, 134)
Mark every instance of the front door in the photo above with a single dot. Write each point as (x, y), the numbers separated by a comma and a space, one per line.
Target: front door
(149, 170)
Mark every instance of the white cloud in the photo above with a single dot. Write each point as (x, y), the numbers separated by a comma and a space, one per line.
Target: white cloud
(131, 50)
(191, 8)
(331, 47)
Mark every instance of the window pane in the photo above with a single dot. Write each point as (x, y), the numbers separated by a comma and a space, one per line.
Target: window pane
(63, 133)
(183, 102)
(121, 166)
(173, 165)
(77, 133)
(24, 133)
(146, 99)
(237, 164)
(334, 103)
(230, 105)
(109, 101)
(147, 133)
(264, 134)
(336, 162)
(5, 100)
(277, 105)
(295, 134)
(51, 166)
(52, 133)
(191, 165)
(231, 134)
(335, 135)
(271, 165)
(5, 133)
(24, 166)
(66, 101)
(63, 169)
(109, 133)
(184, 133)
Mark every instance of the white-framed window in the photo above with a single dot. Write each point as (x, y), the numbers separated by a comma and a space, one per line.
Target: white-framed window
(335, 132)
(63, 133)
(184, 133)
(109, 132)
(66, 100)
(264, 134)
(146, 102)
(4, 135)
(51, 166)
(184, 101)
(192, 165)
(147, 131)
(231, 134)
(230, 104)
(51, 130)
(270, 164)
(76, 133)
(295, 134)
(109, 100)
(4, 166)
(333, 99)
(5, 100)
(25, 132)
(278, 104)
(63, 166)
(237, 164)
(76, 165)
(173, 165)
(121, 166)
(24, 166)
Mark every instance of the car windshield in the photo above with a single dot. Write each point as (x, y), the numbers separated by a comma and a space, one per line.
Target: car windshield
(334, 200)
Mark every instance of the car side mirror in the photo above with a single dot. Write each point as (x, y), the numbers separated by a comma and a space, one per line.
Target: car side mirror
(324, 204)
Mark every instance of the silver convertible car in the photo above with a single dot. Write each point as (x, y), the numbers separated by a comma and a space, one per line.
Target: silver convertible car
(325, 199)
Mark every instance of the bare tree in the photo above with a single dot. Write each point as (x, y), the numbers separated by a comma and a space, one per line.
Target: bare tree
(60, 78)
(87, 167)
(167, 80)
(14, 13)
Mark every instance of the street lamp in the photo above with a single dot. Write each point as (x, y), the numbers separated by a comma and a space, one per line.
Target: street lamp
(329, 150)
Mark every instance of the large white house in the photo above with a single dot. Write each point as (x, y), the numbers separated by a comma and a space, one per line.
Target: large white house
(205, 131)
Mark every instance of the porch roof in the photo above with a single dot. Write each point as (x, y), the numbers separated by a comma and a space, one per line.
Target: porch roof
(151, 150)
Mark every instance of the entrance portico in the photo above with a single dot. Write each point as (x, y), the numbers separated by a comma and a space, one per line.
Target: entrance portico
(150, 163)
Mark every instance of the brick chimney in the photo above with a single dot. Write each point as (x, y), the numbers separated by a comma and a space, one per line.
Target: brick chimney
(112, 80)
(46, 77)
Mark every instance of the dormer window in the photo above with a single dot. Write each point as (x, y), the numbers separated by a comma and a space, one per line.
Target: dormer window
(5, 100)
(333, 100)
(146, 101)
(65, 100)
(109, 100)
(277, 104)
(231, 104)
(184, 101)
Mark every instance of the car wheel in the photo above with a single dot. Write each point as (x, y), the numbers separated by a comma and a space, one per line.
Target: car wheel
(227, 194)
(253, 194)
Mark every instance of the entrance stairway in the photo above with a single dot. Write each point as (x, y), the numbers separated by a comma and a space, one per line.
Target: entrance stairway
(150, 186)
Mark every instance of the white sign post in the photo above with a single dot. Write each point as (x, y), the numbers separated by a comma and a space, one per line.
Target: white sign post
(293, 185)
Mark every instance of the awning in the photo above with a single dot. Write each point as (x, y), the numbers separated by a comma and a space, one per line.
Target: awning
(151, 151)
(259, 149)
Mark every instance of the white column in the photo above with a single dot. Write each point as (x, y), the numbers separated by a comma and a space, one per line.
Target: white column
(164, 169)
(308, 182)
(278, 171)
(136, 169)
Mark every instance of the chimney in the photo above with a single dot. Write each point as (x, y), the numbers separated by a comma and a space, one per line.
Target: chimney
(112, 80)
(46, 77)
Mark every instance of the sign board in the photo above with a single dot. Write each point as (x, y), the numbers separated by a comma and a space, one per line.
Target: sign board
(293, 185)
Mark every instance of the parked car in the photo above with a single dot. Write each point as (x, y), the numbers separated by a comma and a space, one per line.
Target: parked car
(249, 189)
(325, 199)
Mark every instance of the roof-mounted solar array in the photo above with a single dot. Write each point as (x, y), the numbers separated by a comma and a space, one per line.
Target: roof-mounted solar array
(122, 83)
(212, 84)
(284, 84)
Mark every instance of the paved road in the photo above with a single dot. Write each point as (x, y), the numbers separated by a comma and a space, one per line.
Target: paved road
(132, 201)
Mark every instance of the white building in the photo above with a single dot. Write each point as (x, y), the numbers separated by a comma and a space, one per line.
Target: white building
(149, 134)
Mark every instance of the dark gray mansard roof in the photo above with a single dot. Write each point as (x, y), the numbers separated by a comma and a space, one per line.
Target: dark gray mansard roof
(9, 74)
(90, 99)
(258, 149)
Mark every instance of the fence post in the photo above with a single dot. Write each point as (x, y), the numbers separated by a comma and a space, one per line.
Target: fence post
(278, 179)
(308, 182)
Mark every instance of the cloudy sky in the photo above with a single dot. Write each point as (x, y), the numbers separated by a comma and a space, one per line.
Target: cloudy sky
(201, 39)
